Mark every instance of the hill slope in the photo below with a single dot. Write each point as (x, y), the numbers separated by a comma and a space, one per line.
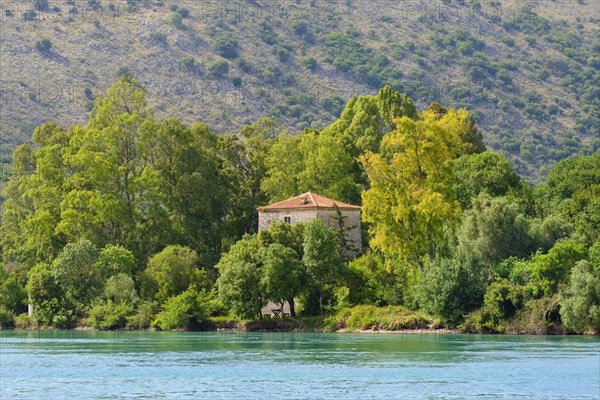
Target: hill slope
(529, 74)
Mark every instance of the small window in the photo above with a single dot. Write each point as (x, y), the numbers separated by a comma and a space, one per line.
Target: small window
(287, 220)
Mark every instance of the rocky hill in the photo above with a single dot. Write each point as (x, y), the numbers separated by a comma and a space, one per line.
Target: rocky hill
(528, 71)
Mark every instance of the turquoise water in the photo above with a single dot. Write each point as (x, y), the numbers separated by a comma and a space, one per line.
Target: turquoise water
(153, 365)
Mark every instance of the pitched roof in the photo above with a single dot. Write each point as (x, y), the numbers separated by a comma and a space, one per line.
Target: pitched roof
(308, 200)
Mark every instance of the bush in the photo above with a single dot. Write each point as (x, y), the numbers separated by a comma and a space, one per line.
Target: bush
(176, 20)
(188, 63)
(187, 310)
(218, 68)
(226, 45)
(310, 62)
(43, 45)
(23, 322)
(159, 37)
(109, 315)
(144, 316)
(452, 287)
(7, 318)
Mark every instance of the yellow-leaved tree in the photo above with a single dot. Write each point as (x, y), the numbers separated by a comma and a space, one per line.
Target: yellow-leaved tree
(410, 203)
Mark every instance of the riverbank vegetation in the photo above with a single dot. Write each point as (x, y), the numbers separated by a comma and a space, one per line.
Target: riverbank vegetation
(131, 222)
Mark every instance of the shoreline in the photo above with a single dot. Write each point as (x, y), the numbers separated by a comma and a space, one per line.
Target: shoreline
(344, 331)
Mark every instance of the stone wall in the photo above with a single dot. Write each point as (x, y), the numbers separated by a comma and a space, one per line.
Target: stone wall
(351, 222)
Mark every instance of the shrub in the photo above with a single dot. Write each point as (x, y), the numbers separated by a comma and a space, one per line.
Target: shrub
(109, 315)
(226, 45)
(142, 319)
(43, 45)
(7, 318)
(218, 69)
(159, 37)
(188, 63)
(176, 20)
(310, 62)
(23, 322)
(187, 310)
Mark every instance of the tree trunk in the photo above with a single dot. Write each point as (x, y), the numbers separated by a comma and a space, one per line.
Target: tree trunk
(292, 307)
(282, 306)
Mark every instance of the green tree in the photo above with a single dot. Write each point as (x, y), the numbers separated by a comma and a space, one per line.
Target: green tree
(120, 289)
(483, 172)
(173, 270)
(282, 275)
(13, 295)
(50, 306)
(322, 258)
(114, 260)
(580, 300)
(239, 278)
(243, 169)
(494, 229)
(314, 162)
(452, 287)
(367, 119)
(549, 271)
(76, 272)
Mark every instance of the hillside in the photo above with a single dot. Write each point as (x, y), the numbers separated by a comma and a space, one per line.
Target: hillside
(529, 74)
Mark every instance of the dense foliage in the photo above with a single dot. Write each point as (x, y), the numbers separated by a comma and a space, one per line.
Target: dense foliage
(131, 222)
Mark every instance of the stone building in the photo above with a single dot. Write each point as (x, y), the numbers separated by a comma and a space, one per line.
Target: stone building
(309, 206)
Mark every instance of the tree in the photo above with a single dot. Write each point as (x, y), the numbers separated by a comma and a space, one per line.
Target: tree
(322, 259)
(410, 204)
(243, 168)
(580, 301)
(460, 123)
(114, 260)
(173, 270)
(313, 162)
(483, 172)
(452, 287)
(103, 194)
(239, 278)
(549, 270)
(120, 289)
(494, 229)
(282, 275)
(367, 119)
(13, 295)
(50, 306)
(76, 272)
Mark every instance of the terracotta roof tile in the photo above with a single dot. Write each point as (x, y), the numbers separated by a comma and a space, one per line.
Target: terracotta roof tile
(308, 200)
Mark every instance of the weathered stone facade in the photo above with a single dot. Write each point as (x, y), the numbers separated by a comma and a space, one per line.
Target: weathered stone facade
(310, 206)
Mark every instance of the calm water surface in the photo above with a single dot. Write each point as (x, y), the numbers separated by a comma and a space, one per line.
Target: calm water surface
(90, 365)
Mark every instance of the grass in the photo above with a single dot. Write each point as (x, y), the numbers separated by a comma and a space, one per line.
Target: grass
(366, 317)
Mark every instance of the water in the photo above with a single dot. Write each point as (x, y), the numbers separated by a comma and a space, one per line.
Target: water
(90, 365)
